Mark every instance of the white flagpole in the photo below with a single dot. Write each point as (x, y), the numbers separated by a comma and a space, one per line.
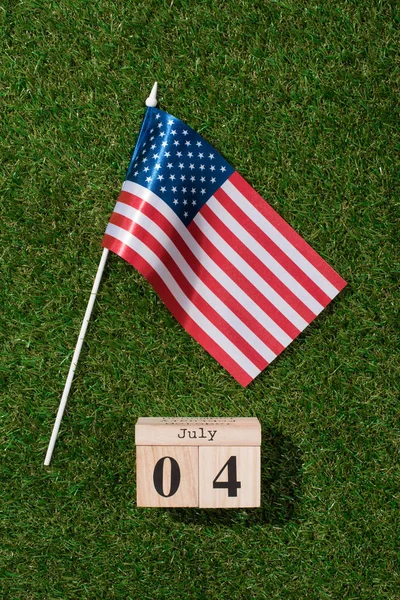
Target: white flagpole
(151, 101)
(75, 358)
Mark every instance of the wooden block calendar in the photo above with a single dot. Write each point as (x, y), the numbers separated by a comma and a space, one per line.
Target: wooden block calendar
(196, 462)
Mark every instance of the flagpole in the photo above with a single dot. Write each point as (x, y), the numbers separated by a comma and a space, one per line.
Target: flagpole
(150, 101)
(75, 357)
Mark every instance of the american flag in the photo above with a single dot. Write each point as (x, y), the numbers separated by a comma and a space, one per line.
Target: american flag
(236, 276)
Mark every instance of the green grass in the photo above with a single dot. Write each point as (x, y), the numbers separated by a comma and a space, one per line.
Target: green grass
(302, 98)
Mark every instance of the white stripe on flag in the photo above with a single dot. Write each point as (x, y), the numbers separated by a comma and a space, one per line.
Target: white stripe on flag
(249, 272)
(257, 249)
(205, 292)
(211, 266)
(201, 320)
(279, 239)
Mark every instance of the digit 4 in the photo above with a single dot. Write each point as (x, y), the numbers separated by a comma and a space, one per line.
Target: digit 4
(232, 485)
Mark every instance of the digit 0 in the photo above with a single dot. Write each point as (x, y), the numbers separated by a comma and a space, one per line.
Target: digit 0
(158, 477)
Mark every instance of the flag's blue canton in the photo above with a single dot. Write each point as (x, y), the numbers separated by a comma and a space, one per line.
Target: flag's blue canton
(177, 164)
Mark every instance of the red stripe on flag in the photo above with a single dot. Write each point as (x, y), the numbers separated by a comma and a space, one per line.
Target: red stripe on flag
(279, 255)
(195, 297)
(174, 307)
(148, 210)
(211, 282)
(257, 264)
(287, 231)
(237, 276)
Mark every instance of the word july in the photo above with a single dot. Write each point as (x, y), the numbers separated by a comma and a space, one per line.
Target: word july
(193, 434)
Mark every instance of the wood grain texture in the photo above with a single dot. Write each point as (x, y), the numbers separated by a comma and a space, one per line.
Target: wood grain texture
(153, 472)
(235, 486)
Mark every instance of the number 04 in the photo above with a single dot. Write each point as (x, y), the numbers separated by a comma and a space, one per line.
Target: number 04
(231, 484)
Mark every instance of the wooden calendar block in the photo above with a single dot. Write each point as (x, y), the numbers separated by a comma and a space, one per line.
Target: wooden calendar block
(193, 431)
(194, 462)
(167, 476)
(229, 477)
